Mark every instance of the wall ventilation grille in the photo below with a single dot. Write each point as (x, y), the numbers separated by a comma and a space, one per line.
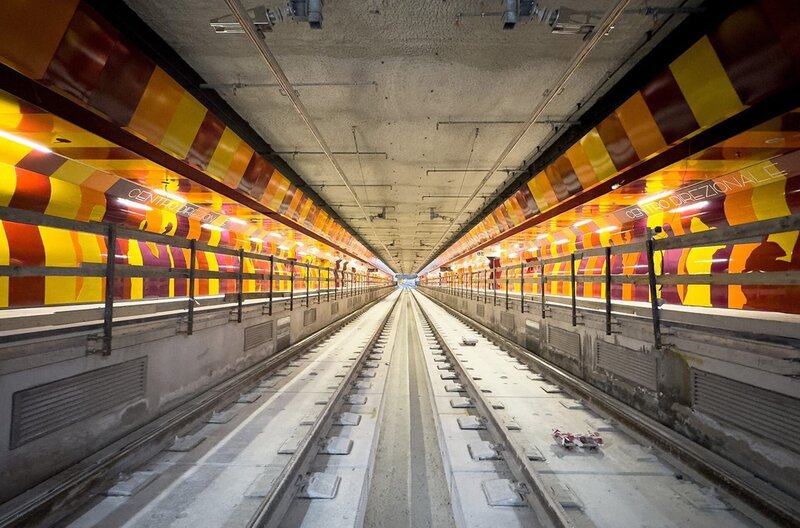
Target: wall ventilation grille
(507, 321)
(257, 335)
(566, 342)
(334, 308)
(481, 310)
(309, 317)
(47, 408)
(627, 363)
(753, 409)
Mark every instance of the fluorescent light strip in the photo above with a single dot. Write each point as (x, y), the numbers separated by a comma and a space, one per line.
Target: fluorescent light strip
(211, 227)
(690, 207)
(560, 241)
(22, 141)
(582, 222)
(169, 195)
(276, 235)
(134, 205)
(606, 229)
(237, 221)
(654, 197)
(540, 237)
(257, 240)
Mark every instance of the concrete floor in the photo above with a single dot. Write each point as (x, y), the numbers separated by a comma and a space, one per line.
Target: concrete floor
(408, 485)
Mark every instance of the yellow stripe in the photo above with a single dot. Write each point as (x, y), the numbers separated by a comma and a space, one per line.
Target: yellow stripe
(598, 156)
(704, 84)
(184, 126)
(59, 251)
(65, 199)
(92, 288)
(8, 184)
(223, 154)
(135, 259)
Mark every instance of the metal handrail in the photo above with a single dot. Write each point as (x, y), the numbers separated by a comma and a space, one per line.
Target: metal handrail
(744, 233)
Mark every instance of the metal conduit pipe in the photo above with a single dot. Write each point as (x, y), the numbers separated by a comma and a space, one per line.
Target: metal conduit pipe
(550, 95)
(241, 16)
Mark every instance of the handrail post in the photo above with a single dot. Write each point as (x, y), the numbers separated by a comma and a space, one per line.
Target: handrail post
(319, 285)
(308, 286)
(485, 287)
(651, 274)
(192, 264)
(572, 288)
(494, 286)
(108, 308)
(271, 279)
(291, 285)
(608, 290)
(328, 284)
(542, 283)
(239, 287)
(506, 289)
(521, 287)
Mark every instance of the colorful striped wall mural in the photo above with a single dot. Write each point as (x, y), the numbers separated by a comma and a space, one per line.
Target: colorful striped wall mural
(719, 76)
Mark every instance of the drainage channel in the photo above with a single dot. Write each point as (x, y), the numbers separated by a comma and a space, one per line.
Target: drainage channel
(585, 466)
(244, 466)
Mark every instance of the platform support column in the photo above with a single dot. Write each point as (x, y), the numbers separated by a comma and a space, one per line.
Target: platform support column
(542, 283)
(651, 276)
(572, 289)
(291, 285)
(239, 287)
(108, 308)
(608, 290)
(192, 266)
(271, 280)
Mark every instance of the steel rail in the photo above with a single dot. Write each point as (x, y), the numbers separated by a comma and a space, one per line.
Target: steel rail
(243, 18)
(548, 510)
(272, 509)
(59, 495)
(751, 490)
(549, 95)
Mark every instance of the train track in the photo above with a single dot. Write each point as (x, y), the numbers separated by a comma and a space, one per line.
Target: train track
(754, 497)
(492, 409)
(70, 489)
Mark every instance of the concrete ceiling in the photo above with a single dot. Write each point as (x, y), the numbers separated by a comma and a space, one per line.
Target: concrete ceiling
(412, 65)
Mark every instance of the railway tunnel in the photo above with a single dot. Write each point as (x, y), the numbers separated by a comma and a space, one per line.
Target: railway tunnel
(399, 264)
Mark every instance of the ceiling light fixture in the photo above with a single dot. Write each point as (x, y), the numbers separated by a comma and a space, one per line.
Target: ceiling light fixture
(237, 221)
(542, 236)
(134, 205)
(256, 240)
(276, 235)
(211, 227)
(560, 241)
(22, 141)
(582, 222)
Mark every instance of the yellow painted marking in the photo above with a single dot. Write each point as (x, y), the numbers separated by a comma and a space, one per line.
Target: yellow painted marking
(60, 252)
(704, 84)
(184, 125)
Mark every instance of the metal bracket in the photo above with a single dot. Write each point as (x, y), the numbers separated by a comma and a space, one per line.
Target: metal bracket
(95, 344)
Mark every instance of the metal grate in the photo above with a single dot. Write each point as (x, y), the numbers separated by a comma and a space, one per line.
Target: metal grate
(47, 408)
(309, 317)
(507, 321)
(532, 335)
(481, 310)
(257, 335)
(564, 341)
(334, 308)
(751, 408)
(627, 363)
